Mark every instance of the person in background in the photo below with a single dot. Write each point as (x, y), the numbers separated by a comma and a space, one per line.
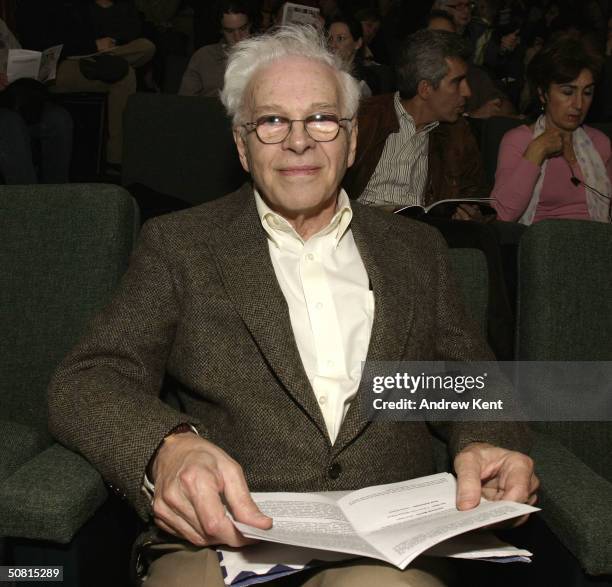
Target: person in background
(27, 117)
(345, 38)
(86, 28)
(415, 148)
(460, 11)
(486, 98)
(557, 167)
(370, 20)
(204, 74)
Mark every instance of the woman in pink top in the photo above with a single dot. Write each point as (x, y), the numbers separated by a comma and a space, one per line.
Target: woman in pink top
(557, 168)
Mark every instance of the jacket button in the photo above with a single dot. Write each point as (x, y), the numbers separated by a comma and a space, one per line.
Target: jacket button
(334, 471)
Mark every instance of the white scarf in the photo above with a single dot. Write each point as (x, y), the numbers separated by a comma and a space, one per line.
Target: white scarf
(593, 169)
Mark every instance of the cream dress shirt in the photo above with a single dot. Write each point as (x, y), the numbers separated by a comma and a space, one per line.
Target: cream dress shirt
(331, 307)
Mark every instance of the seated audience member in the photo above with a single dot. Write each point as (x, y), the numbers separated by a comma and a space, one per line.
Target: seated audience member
(486, 98)
(78, 27)
(374, 48)
(26, 115)
(415, 148)
(557, 167)
(345, 37)
(493, 46)
(204, 74)
(460, 11)
(231, 283)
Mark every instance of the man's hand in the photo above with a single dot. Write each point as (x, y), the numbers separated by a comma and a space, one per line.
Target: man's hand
(193, 480)
(468, 212)
(494, 473)
(105, 43)
(3, 82)
(491, 108)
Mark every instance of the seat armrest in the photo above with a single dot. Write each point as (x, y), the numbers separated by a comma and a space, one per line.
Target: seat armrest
(50, 497)
(575, 503)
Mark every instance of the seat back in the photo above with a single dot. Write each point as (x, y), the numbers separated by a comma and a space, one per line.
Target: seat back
(470, 269)
(492, 132)
(63, 249)
(605, 127)
(565, 314)
(180, 146)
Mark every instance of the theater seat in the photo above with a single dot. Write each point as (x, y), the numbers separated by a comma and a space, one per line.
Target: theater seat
(565, 314)
(63, 249)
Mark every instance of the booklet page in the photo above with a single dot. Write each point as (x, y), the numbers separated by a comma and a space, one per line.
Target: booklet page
(308, 519)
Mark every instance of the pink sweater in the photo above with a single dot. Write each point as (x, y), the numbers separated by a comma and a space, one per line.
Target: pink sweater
(516, 178)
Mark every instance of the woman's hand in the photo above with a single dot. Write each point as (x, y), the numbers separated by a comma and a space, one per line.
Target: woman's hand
(548, 144)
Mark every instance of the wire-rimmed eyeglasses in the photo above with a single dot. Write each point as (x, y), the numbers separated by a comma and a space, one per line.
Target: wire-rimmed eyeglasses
(273, 129)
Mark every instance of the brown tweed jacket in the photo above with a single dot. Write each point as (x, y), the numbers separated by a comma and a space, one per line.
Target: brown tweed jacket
(455, 166)
(200, 301)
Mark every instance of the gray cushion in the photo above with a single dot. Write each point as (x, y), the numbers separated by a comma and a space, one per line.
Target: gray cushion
(470, 268)
(50, 497)
(18, 444)
(62, 251)
(575, 503)
(565, 314)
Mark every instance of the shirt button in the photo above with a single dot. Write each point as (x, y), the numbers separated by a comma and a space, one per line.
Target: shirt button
(330, 364)
(318, 305)
(310, 257)
(334, 471)
(323, 400)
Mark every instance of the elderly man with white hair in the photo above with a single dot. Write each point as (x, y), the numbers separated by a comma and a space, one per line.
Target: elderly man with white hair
(262, 306)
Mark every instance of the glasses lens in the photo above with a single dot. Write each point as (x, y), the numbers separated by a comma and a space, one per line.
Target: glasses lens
(272, 129)
(322, 127)
(275, 129)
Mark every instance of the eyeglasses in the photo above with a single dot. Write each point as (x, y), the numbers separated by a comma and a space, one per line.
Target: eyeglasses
(273, 129)
(461, 6)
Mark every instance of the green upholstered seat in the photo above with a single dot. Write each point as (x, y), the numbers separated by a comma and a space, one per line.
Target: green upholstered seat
(470, 268)
(63, 249)
(565, 314)
(180, 146)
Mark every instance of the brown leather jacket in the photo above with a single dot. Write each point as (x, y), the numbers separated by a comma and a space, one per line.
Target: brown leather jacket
(455, 165)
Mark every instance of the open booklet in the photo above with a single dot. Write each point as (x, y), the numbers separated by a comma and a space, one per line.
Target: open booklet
(41, 66)
(300, 14)
(446, 208)
(267, 561)
(394, 523)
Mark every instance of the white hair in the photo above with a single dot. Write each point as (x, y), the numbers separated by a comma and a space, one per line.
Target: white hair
(248, 56)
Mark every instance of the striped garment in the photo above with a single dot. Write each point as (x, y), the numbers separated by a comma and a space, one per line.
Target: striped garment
(400, 176)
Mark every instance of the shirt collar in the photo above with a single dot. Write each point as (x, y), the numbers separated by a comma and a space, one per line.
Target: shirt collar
(278, 228)
(406, 120)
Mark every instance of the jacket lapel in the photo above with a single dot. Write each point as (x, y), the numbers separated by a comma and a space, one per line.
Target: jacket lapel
(244, 261)
(393, 310)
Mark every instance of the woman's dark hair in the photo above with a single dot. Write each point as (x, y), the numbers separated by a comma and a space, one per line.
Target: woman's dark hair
(354, 26)
(561, 61)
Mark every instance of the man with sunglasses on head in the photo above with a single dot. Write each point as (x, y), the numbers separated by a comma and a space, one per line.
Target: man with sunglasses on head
(204, 73)
(262, 306)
